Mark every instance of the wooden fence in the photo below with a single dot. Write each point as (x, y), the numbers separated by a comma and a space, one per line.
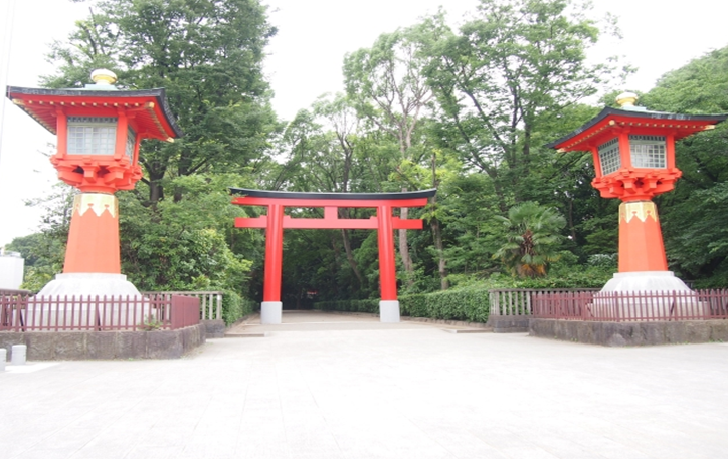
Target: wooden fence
(519, 301)
(22, 313)
(210, 302)
(632, 306)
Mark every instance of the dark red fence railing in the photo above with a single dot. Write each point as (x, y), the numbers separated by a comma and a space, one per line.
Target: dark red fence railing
(185, 311)
(210, 302)
(68, 313)
(12, 292)
(519, 301)
(632, 306)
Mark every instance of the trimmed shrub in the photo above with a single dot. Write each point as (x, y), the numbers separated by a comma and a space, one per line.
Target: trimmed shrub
(235, 307)
(470, 303)
(413, 305)
(368, 305)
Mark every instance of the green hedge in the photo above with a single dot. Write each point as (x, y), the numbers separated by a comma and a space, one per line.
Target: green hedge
(470, 299)
(369, 305)
(470, 303)
(234, 307)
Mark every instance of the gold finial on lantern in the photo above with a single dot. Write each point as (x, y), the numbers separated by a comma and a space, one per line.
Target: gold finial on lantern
(103, 76)
(627, 99)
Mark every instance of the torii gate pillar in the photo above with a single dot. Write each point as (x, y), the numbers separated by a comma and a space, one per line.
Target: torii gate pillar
(275, 222)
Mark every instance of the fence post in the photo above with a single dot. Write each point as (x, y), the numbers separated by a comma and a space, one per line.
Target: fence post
(494, 303)
(219, 306)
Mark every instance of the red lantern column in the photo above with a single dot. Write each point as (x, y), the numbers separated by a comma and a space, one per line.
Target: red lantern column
(271, 309)
(388, 305)
(93, 237)
(641, 247)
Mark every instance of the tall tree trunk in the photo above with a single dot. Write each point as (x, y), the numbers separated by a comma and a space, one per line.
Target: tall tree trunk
(350, 257)
(437, 239)
(156, 171)
(404, 248)
(344, 213)
(156, 192)
(572, 230)
(183, 170)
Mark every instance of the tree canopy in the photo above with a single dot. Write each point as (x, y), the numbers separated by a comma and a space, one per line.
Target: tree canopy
(467, 111)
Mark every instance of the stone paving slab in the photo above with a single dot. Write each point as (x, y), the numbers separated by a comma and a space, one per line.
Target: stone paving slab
(376, 393)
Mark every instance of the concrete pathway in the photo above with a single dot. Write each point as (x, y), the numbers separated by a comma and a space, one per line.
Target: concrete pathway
(381, 392)
(294, 320)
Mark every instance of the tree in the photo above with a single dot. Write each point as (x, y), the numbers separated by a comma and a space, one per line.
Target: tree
(386, 84)
(176, 230)
(321, 160)
(188, 244)
(44, 251)
(701, 86)
(208, 55)
(510, 69)
(532, 239)
(693, 215)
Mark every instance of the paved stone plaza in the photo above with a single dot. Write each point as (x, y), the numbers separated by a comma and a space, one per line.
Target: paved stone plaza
(348, 387)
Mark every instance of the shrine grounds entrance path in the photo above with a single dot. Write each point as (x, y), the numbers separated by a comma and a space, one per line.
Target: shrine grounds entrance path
(406, 390)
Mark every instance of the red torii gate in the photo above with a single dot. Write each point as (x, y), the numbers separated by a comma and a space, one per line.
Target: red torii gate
(275, 222)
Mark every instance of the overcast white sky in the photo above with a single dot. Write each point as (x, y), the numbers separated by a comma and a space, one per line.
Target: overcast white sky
(305, 61)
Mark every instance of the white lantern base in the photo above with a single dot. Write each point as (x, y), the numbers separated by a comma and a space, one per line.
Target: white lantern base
(84, 285)
(645, 281)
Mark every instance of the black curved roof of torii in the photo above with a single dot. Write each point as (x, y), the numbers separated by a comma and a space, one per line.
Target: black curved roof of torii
(334, 196)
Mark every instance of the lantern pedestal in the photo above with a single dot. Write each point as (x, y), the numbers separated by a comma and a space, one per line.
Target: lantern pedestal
(641, 248)
(70, 301)
(645, 281)
(93, 237)
(84, 285)
(92, 265)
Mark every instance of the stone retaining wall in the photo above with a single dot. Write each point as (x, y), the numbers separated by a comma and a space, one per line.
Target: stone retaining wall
(214, 328)
(106, 345)
(509, 324)
(621, 334)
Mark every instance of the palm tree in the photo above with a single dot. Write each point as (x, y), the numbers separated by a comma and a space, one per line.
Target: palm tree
(532, 239)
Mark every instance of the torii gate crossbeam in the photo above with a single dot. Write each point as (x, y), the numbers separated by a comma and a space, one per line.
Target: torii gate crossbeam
(275, 222)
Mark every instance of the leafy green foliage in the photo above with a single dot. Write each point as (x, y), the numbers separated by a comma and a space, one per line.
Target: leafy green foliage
(701, 86)
(207, 55)
(532, 239)
(693, 216)
(234, 307)
(43, 256)
(465, 111)
(188, 244)
(369, 306)
(509, 71)
(469, 303)
(150, 323)
(44, 251)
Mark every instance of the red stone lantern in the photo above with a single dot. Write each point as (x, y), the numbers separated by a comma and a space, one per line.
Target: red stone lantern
(634, 158)
(99, 129)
